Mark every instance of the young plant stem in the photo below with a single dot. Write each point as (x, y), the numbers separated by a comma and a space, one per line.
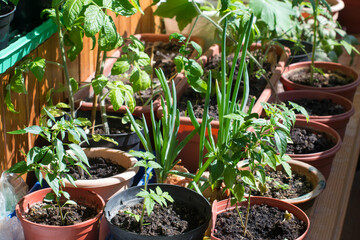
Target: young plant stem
(239, 213)
(312, 67)
(102, 100)
(95, 99)
(63, 57)
(247, 213)
(60, 211)
(143, 209)
(191, 31)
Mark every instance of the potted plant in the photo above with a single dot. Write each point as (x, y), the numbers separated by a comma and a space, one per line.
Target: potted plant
(51, 163)
(330, 77)
(327, 108)
(183, 213)
(314, 143)
(7, 9)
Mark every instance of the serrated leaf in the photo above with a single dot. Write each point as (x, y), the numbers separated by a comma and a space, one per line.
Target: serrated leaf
(72, 9)
(37, 67)
(99, 83)
(120, 66)
(94, 20)
(182, 10)
(149, 205)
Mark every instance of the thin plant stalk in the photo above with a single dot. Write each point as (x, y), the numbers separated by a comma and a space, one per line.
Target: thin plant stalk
(312, 68)
(65, 67)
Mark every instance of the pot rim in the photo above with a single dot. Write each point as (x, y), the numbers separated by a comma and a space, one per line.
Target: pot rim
(47, 190)
(320, 64)
(9, 13)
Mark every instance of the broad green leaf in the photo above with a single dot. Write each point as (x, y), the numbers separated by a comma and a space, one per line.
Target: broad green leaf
(19, 167)
(124, 8)
(49, 197)
(238, 192)
(143, 194)
(53, 183)
(94, 20)
(37, 67)
(120, 66)
(143, 59)
(99, 83)
(116, 98)
(34, 155)
(72, 9)
(97, 138)
(136, 44)
(197, 84)
(154, 165)
(194, 68)
(77, 150)
(74, 39)
(281, 140)
(70, 179)
(62, 105)
(216, 170)
(183, 10)
(140, 80)
(178, 36)
(59, 149)
(179, 63)
(274, 13)
(149, 205)
(229, 176)
(248, 178)
(109, 39)
(66, 195)
(17, 82)
(73, 136)
(34, 130)
(286, 165)
(136, 4)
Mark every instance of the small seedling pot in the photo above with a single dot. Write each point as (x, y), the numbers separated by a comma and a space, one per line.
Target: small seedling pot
(179, 194)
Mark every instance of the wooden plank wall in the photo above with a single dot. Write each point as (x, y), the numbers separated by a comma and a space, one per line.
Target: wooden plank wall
(29, 105)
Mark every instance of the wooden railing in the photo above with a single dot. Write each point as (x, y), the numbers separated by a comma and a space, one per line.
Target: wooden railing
(29, 105)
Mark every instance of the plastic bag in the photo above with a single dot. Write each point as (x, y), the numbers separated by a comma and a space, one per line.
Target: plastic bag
(11, 229)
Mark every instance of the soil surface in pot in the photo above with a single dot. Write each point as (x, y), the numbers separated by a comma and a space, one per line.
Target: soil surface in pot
(5, 8)
(99, 168)
(122, 128)
(265, 222)
(326, 78)
(48, 214)
(281, 186)
(257, 85)
(322, 107)
(307, 141)
(164, 221)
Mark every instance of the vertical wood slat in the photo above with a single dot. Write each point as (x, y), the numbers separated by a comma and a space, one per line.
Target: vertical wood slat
(30, 105)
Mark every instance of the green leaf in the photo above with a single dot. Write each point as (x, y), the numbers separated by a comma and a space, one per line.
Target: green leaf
(273, 13)
(53, 183)
(229, 176)
(59, 149)
(179, 63)
(97, 138)
(70, 179)
(120, 66)
(10, 106)
(154, 165)
(197, 47)
(149, 205)
(281, 140)
(94, 20)
(34, 155)
(216, 170)
(194, 68)
(17, 82)
(72, 9)
(49, 197)
(224, 5)
(77, 150)
(238, 192)
(99, 83)
(140, 80)
(37, 67)
(74, 39)
(109, 38)
(143, 59)
(136, 4)
(20, 167)
(116, 98)
(70, 202)
(124, 8)
(34, 130)
(248, 178)
(183, 10)
(74, 85)
(178, 36)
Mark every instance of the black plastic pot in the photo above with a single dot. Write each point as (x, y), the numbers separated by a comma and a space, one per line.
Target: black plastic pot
(27, 15)
(126, 141)
(5, 26)
(300, 55)
(179, 194)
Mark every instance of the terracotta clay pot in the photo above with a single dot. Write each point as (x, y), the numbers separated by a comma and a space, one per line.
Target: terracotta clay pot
(347, 90)
(337, 122)
(87, 230)
(190, 153)
(107, 187)
(335, 6)
(224, 205)
(321, 160)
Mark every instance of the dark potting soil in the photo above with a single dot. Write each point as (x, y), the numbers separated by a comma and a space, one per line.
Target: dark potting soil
(99, 168)
(5, 8)
(327, 79)
(164, 221)
(40, 213)
(308, 141)
(264, 223)
(320, 107)
(281, 186)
